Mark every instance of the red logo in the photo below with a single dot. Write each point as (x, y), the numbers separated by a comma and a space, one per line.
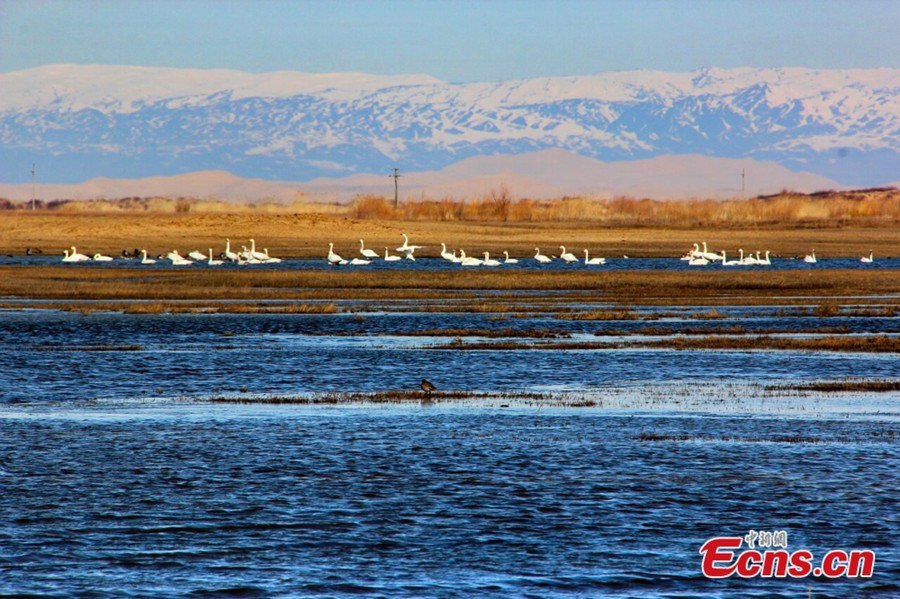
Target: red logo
(722, 559)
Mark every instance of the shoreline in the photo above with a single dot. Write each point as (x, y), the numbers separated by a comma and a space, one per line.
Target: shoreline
(308, 235)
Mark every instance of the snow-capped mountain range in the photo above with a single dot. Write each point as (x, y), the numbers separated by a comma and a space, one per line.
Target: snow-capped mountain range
(80, 122)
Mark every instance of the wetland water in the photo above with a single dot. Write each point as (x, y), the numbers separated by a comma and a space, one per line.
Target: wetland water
(119, 478)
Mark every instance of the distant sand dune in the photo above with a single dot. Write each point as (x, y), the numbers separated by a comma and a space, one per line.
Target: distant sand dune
(537, 175)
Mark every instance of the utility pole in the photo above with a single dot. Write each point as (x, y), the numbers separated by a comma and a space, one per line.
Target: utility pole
(742, 184)
(396, 175)
(32, 185)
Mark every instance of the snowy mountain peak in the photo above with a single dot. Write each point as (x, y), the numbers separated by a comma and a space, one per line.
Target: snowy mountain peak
(80, 122)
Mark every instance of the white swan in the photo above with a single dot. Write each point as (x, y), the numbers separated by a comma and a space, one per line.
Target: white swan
(467, 261)
(258, 255)
(763, 261)
(406, 247)
(408, 253)
(198, 255)
(698, 261)
(333, 257)
(726, 262)
(68, 258)
(567, 256)
(228, 253)
(76, 257)
(710, 255)
(507, 259)
(145, 259)
(366, 253)
(248, 256)
(445, 254)
(389, 258)
(810, 258)
(360, 261)
(868, 259)
(694, 253)
(102, 258)
(268, 257)
(177, 259)
(592, 261)
(213, 261)
(746, 260)
(488, 261)
(540, 257)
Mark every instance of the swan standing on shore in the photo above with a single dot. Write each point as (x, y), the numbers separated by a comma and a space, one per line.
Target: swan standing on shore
(868, 259)
(540, 257)
(366, 253)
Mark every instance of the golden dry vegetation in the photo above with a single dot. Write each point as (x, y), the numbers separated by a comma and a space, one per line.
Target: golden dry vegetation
(846, 224)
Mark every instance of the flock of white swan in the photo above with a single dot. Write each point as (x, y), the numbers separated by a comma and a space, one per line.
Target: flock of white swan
(461, 258)
(245, 256)
(694, 257)
(698, 257)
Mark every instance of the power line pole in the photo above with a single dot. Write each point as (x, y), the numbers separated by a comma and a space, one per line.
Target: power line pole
(742, 184)
(396, 175)
(32, 185)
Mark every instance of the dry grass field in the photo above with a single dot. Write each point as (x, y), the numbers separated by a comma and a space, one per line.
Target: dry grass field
(847, 224)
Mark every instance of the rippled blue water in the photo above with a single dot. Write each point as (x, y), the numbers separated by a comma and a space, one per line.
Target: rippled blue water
(428, 502)
(111, 484)
(58, 356)
(525, 263)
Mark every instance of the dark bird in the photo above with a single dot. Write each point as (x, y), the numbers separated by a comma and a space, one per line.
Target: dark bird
(32, 251)
(427, 387)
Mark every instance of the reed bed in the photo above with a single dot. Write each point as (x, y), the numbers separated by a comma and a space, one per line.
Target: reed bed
(842, 386)
(862, 343)
(873, 207)
(724, 330)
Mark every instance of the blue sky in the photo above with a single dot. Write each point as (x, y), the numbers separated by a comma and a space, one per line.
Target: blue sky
(460, 40)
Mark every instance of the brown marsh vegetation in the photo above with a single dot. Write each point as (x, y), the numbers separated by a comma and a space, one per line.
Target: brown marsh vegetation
(862, 343)
(623, 288)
